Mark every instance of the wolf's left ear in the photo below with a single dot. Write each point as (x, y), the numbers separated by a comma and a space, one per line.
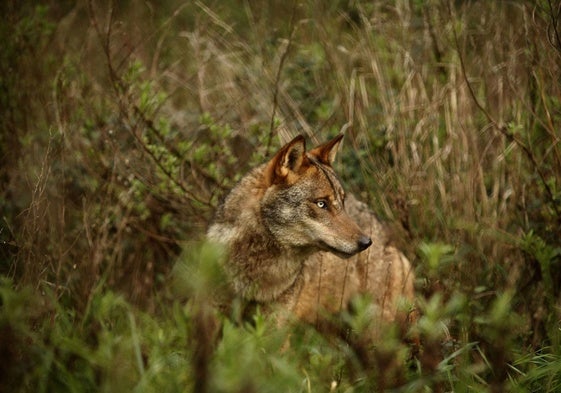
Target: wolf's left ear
(288, 160)
(326, 153)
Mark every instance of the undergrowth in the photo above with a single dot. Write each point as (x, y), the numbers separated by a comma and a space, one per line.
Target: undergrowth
(124, 124)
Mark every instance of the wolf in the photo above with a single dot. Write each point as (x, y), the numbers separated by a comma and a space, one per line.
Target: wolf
(296, 241)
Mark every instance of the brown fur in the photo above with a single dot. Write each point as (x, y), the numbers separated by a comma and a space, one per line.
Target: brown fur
(294, 240)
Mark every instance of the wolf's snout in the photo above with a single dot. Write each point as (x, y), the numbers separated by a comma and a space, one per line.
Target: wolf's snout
(364, 242)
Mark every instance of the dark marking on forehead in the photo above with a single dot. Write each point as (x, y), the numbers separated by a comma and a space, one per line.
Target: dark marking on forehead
(331, 177)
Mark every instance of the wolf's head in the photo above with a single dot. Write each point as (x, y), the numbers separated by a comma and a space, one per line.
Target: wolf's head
(304, 202)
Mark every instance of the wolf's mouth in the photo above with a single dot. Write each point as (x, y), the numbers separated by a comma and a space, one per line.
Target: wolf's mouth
(341, 254)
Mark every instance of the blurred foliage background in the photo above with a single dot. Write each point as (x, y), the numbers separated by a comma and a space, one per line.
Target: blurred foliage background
(124, 123)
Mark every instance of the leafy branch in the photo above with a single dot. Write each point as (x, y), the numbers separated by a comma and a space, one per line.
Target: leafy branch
(130, 112)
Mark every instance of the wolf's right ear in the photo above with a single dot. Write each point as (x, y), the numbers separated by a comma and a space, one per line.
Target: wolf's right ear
(288, 160)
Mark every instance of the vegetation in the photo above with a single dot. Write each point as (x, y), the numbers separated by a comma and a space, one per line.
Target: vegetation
(123, 124)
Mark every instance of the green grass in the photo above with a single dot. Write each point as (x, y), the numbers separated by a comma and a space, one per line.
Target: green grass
(122, 127)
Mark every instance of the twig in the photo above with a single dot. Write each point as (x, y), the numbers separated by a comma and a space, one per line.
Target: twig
(104, 39)
(278, 75)
(554, 16)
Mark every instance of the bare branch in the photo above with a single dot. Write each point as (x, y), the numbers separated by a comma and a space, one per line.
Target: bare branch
(283, 57)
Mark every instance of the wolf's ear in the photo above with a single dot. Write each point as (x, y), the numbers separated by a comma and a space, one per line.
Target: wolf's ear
(288, 160)
(326, 153)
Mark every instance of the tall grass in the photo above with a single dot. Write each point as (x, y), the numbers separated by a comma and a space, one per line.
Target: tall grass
(124, 124)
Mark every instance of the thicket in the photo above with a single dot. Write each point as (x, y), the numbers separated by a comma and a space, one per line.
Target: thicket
(124, 123)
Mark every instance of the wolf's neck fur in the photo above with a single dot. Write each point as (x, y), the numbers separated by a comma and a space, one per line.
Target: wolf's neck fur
(259, 267)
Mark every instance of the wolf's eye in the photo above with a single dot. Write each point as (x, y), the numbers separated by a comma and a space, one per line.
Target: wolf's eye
(321, 204)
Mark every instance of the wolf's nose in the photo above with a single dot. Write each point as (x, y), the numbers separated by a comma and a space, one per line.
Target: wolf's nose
(364, 242)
